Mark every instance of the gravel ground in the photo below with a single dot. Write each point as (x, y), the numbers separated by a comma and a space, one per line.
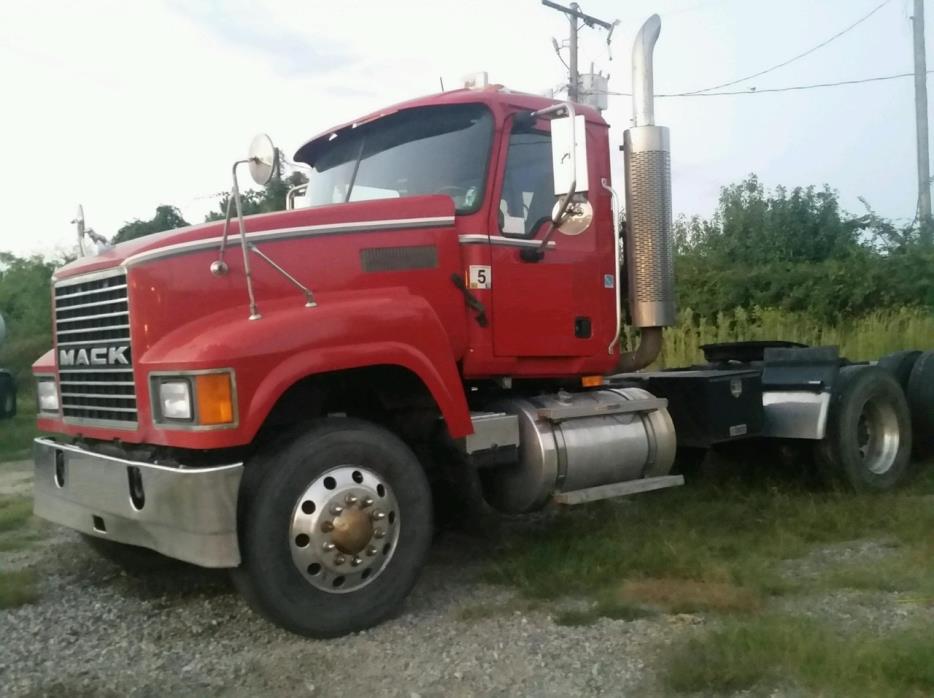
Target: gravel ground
(96, 631)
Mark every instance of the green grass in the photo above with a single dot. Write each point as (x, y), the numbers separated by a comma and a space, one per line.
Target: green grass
(15, 513)
(17, 588)
(703, 547)
(16, 434)
(18, 530)
(775, 650)
(724, 551)
(910, 571)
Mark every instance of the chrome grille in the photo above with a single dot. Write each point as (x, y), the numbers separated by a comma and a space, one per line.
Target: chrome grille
(92, 329)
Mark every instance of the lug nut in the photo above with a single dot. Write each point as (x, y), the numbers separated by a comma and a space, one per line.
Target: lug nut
(356, 561)
(340, 560)
(368, 502)
(371, 551)
(337, 510)
(377, 515)
(327, 526)
(379, 533)
(328, 546)
(350, 500)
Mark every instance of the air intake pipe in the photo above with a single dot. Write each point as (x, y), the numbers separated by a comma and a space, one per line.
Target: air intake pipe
(649, 241)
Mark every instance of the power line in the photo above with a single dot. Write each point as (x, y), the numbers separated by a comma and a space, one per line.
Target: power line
(799, 56)
(792, 88)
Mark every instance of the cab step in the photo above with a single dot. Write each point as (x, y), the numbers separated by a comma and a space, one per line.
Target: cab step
(618, 489)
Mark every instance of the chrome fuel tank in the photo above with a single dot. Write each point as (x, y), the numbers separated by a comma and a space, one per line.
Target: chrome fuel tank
(573, 441)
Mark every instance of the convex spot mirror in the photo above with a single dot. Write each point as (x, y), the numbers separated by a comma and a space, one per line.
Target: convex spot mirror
(569, 155)
(263, 159)
(577, 216)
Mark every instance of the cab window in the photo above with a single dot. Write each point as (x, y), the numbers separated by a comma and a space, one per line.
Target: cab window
(528, 184)
(425, 150)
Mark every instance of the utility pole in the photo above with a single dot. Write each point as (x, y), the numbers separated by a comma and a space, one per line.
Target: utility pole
(574, 14)
(921, 120)
(574, 78)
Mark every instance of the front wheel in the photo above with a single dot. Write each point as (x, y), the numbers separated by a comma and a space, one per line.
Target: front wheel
(335, 527)
(868, 442)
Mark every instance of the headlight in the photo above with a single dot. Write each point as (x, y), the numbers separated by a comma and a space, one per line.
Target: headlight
(47, 392)
(175, 399)
(199, 399)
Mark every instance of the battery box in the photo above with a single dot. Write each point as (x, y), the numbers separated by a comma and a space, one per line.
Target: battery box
(707, 406)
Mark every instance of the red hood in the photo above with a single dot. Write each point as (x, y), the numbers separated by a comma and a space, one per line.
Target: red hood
(358, 212)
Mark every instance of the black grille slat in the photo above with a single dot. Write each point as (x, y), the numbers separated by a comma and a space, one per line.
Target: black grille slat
(94, 314)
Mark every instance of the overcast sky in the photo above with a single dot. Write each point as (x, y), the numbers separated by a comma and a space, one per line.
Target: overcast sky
(122, 106)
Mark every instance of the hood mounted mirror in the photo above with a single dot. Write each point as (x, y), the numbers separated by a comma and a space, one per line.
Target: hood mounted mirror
(263, 163)
(263, 159)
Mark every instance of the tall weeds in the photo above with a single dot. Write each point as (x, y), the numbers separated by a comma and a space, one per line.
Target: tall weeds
(864, 338)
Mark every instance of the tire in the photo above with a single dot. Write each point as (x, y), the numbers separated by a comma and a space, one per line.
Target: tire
(378, 539)
(132, 559)
(899, 365)
(921, 402)
(7, 396)
(867, 447)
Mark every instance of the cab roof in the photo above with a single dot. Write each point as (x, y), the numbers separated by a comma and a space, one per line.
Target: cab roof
(497, 97)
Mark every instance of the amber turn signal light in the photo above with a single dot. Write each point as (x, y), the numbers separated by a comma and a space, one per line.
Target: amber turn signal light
(215, 398)
(591, 381)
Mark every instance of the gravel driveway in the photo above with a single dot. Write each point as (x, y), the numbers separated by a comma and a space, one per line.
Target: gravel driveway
(96, 631)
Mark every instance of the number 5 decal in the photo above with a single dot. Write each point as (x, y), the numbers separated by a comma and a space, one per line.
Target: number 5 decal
(479, 276)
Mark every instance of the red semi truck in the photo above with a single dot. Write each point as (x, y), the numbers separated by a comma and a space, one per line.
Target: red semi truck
(443, 302)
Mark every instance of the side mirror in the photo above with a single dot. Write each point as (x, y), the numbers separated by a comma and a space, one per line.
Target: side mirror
(569, 155)
(576, 218)
(263, 159)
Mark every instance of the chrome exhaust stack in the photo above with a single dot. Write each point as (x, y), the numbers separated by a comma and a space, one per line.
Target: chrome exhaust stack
(649, 248)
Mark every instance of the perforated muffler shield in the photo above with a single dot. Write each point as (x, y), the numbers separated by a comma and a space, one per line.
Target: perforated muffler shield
(649, 243)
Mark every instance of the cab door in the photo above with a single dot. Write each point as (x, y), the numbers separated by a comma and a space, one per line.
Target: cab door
(553, 306)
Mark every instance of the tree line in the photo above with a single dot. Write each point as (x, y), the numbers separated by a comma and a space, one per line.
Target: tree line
(266, 200)
(797, 250)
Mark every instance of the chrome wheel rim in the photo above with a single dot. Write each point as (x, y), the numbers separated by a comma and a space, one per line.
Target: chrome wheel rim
(878, 436)
(344, 530)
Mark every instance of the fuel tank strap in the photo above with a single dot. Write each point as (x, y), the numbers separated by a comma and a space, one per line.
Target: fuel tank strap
(562, 412)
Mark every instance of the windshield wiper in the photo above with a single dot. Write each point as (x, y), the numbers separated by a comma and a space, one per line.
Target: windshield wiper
(356, 168)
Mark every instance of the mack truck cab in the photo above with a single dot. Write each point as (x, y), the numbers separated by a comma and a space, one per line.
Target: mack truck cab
(281, 394)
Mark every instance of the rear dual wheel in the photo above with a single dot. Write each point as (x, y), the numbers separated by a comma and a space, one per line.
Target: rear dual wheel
(867, 446)
(335, 527)
(921, 400)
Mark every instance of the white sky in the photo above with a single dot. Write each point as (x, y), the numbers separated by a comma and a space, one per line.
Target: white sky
(122, 106)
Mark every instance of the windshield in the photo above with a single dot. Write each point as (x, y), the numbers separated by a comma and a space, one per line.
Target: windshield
(430, 150)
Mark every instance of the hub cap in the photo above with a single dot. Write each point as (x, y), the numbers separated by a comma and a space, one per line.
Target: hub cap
(878, 436)
(344, 530)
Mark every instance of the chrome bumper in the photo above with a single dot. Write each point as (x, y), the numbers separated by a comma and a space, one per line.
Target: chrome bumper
(187, 513)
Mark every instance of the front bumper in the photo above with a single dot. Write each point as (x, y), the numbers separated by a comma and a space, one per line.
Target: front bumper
(186, 513)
